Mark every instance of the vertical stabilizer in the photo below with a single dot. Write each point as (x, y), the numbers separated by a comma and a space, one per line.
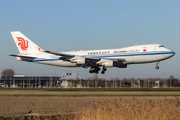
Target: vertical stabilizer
(24, 44)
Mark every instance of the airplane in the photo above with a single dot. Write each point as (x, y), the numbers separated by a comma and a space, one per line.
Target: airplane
(95, 59)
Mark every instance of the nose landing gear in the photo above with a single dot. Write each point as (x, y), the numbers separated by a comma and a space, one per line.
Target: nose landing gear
(157, 67)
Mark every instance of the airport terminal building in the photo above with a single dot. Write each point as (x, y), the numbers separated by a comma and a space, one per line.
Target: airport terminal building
(23, 81)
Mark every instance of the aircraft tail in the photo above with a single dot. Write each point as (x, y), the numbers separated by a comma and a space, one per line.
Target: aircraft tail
(24, 44)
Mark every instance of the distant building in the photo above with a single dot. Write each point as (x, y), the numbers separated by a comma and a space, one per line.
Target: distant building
(29, 81)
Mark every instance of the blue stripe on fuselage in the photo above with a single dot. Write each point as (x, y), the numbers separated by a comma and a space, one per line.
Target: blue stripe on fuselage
(128, 54)
(110, 55)
(45, 59)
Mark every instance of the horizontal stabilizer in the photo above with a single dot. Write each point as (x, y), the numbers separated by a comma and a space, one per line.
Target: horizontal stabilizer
(25, 57)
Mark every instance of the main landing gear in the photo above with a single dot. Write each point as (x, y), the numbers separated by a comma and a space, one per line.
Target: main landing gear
(97, 69)
(103, 71)
(94, 70)
(157, 67)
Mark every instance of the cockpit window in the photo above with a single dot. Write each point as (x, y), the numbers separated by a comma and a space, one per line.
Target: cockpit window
(161, 46)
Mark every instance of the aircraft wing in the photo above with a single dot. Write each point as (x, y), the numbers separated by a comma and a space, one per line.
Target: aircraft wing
(68, 56)
(91, 61)
(121, 60)
(60, 54)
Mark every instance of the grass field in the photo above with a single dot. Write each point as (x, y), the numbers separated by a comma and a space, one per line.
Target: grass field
(126, 108)
(80, 104)
(85, 92)
(30, 93)
(96, 89)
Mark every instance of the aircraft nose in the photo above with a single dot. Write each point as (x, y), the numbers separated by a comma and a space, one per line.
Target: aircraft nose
(169, 54)
(172, 53)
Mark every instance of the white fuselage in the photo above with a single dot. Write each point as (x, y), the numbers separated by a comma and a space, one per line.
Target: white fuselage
(31, 52)
(129, 55)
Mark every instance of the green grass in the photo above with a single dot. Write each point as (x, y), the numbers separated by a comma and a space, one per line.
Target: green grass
(88, 94)
(96, 89)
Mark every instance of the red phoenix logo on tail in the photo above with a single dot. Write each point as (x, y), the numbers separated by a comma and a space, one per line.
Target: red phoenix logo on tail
(23, 43)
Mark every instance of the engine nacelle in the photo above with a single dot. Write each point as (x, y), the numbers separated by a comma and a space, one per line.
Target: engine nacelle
(107, 64)
(122, 66)
(113, 64)
(79, 60)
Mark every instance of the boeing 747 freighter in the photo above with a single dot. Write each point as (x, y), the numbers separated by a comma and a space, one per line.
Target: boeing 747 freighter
(95, 59)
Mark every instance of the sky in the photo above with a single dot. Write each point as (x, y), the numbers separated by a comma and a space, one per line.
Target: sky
(61, 25)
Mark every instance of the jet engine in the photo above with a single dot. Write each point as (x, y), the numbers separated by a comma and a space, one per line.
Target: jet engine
(122, 66)
(107, 63)
(113, 64)
(78, 60)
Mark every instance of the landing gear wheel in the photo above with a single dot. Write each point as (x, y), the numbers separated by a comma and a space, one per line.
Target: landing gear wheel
(103, 72)
(94, 69)
(157, 67)
(104, 69)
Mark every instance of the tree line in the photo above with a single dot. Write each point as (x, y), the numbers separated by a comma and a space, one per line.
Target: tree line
(7, 72)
